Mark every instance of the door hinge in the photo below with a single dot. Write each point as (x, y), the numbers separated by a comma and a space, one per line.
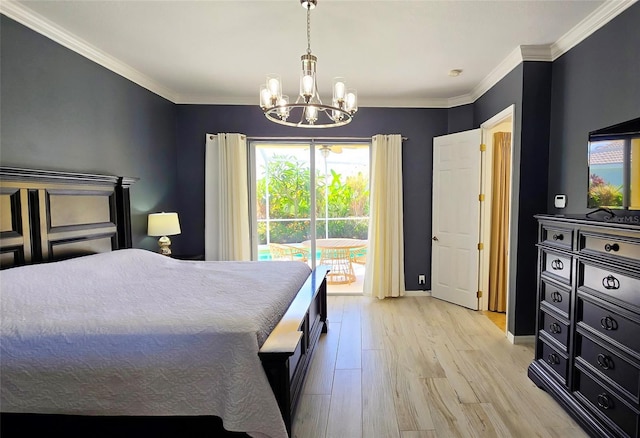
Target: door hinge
(479, 294)
(480, 246)
(481, 197)
(483, 147)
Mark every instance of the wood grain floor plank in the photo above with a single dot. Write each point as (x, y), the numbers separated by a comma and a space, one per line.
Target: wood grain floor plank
(567, 431)
(453, 365)
(379, 418)
(418, 434)
(485, 421)
(373, 333)
(311, 416)
(345, 412)
(335, 308)
(411, 402)
(350, 344)
(319, 379)
(448, 417)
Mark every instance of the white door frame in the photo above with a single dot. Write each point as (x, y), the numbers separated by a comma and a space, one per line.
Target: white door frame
(487, 162)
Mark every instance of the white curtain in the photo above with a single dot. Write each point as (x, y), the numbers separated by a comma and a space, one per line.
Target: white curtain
(226, 198)
(384, 274)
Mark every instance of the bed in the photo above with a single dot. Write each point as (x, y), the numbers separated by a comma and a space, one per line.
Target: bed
(92, 328)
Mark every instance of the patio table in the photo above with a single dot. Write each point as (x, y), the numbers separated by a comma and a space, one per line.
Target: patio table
(336, 253)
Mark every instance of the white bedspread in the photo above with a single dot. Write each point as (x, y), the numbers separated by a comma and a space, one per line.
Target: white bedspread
(132, 332)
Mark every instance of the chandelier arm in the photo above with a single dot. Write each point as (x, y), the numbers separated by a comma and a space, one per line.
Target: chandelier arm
(272, 114)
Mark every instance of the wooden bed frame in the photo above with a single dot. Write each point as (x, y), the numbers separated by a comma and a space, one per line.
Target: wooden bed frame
(51, 215)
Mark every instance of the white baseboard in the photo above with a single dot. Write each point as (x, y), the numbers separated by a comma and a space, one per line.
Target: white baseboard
(527, 339)
(417, 293)
(344, 294)
(408, 293)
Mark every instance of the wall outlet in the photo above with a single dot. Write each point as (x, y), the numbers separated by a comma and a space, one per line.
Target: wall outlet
(421, 279)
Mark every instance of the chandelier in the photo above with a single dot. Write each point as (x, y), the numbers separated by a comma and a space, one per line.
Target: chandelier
(308, 111)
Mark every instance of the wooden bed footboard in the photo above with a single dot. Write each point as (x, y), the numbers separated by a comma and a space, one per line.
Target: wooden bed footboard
(287, 352)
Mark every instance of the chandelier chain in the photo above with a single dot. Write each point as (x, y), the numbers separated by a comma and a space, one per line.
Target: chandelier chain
(309, 30)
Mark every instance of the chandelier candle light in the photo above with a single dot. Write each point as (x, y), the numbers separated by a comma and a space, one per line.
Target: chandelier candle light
(308, 108)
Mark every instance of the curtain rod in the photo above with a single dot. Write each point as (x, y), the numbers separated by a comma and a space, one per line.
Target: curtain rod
(315, 138)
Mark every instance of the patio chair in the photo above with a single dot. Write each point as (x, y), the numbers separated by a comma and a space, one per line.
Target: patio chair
(282, 251)
(358, 256)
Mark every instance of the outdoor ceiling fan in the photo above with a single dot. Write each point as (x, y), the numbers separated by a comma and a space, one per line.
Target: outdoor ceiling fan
(325, 149)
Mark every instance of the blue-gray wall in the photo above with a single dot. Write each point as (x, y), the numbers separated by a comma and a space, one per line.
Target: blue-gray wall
(418, 125)
(528, 88)
(61, 111)
(460, 118)
(596, 84)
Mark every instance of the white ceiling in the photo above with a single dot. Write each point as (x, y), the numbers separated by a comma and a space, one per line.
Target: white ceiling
(394, 52)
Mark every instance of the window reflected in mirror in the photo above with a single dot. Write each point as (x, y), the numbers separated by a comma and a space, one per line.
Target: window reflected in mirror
(614, 166)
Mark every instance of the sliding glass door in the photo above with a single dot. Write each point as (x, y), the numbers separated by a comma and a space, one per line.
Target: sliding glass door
(311, 203)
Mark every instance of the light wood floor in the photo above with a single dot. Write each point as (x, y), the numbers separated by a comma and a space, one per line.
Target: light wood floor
(417, 367)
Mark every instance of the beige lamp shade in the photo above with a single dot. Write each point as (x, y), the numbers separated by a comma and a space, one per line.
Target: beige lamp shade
(163, 224)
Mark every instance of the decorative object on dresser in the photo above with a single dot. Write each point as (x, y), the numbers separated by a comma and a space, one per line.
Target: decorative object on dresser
(587, 352)
(163, 224)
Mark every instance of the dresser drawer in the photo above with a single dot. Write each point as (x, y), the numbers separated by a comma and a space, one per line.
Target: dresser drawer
(609, 245)
(609, 323)
(555, 328)
(556, 236)
(555, 296)
(556, 266)
(555, 360)
(623, 287)
(622, 371)
(607, 404)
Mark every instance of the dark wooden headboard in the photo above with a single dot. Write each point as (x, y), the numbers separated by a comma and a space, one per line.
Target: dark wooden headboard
(51, 215)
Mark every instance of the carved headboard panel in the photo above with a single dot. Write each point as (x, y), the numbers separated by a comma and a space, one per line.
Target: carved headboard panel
(51, 215)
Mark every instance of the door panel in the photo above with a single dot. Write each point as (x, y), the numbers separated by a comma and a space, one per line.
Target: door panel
(456, 220)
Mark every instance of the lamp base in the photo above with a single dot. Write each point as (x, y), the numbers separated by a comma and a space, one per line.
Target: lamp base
(164, 242)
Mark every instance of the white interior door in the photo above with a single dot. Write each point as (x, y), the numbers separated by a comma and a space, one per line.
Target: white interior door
(456, 217)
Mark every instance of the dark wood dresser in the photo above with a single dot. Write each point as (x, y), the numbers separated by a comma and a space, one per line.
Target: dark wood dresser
(587, 353)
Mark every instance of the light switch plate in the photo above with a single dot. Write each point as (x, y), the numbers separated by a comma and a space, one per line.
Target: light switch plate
(560, 201)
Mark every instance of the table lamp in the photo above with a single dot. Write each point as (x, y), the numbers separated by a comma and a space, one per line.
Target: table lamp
(163, 224)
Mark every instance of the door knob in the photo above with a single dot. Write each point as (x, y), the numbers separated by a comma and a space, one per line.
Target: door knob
(434, 238)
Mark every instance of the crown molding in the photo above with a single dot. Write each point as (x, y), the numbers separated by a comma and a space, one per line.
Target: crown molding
(500, 71)
(463, 99)
(546, 53)
(536, 53)
(594, 21)
(540, 53)
(39, 24)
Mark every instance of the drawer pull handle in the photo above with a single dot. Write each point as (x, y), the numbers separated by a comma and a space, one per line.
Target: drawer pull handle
(605, 361)
(557, 265)
(555, 328)
(604, 401)
(553, 359)
(608, 247)
(558, 236)
(608, 323)
(556, 297)
(610, 282)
